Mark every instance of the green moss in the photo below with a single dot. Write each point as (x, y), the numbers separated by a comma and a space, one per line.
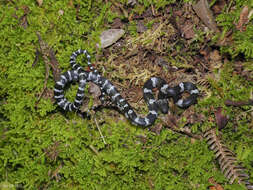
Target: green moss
(43, 148)
(243, 40)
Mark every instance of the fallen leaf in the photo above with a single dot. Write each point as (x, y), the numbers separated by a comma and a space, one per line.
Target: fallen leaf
(205, 14)
(221, 119)
(95, 91)
(243, 19)
(109, 37)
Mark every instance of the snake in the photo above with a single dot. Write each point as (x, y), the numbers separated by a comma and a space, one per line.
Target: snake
(78, 74)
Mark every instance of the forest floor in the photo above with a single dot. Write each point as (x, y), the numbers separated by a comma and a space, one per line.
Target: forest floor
(207, 146)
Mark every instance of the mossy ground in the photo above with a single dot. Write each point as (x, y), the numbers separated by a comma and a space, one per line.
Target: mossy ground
(43, 148)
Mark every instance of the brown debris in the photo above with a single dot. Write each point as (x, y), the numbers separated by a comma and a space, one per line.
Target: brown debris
(157, 129)
(121, 8)
(218, 6)
(55, 174)
(133, 94)
(49, 57)
(141, 27)
(142, 138)
(221, 119)
(240, 69)
(192, 117)
(36, 58)
(49, 60)
(23, 19)
(215, 55)
(170, 122)
(95, 91)
(239, 103)
(243, 19)
(227, 160)
(203, 11)
(187, 30)
(117, 24)
(178, 13)
(215, 186)
(53, 151)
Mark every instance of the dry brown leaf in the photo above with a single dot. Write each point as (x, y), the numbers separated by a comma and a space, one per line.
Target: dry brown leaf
(221, 119)
(108, 37)
(202, 10)
(243, 19)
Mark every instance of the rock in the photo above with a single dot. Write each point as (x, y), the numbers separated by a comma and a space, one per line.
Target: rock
(108, 37)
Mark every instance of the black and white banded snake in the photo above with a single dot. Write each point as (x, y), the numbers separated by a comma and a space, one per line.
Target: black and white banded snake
(161, 104)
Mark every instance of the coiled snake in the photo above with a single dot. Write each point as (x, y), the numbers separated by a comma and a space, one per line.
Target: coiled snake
(154, 105)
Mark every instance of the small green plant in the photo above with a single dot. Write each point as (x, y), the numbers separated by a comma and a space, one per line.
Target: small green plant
(242, 39)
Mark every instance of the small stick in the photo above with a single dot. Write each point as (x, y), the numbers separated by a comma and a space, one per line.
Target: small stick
(94, 149)
(182, 131)
(45, 84)
(239, 103)
(47, 55)
(100, 131)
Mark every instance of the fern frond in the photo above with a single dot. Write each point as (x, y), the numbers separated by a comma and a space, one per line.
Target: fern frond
(227, 160)
(244, 41)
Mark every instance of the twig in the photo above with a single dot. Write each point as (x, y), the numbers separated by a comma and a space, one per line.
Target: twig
(94, 149)
(239, 103)
(229, 6)
(44, 86)
(181, 131)
(36, 58)
(49, 59)
(184, 132)
(99, 130)
(43, 46)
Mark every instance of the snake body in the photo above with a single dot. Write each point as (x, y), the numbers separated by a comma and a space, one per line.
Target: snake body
(78, 74)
